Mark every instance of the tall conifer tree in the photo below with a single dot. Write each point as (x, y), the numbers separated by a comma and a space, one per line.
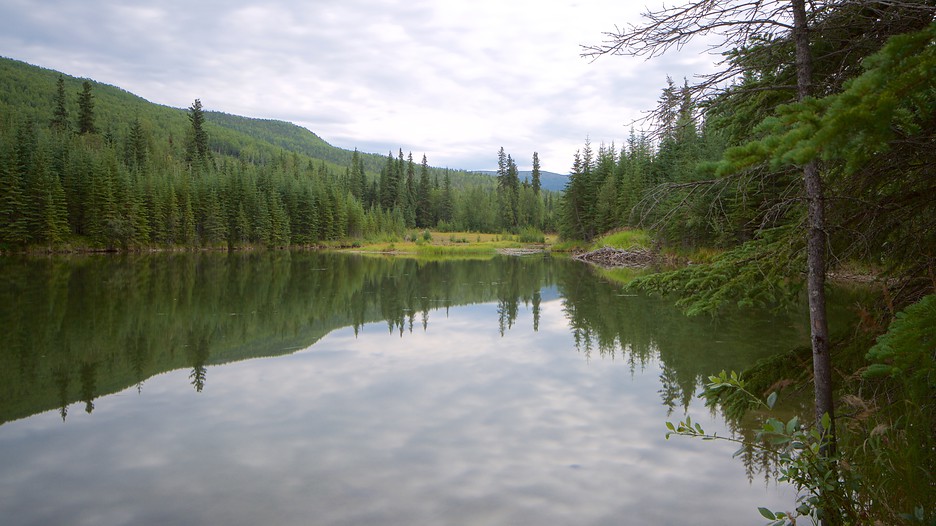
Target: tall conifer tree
(86, 110)
(60, 111)
(536, 174)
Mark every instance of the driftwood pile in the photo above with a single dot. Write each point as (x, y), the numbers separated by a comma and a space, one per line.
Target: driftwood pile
(613, 257)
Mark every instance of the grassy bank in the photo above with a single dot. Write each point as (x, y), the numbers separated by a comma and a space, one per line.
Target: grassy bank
(429, 243)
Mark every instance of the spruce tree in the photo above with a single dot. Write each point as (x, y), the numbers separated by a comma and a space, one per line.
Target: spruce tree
(408, 200)
(196, 150)
(357, 179)
(424, 196)
(447, 204)
(136, 148)
(86, 110)
(12, 226)
(536, 174)
(60, 111)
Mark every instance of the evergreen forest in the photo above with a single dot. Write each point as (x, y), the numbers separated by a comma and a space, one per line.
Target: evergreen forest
(87, 166)
(808, 154)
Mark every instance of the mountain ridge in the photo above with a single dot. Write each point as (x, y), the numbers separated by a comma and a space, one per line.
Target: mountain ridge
(29, 90)
(551, 181)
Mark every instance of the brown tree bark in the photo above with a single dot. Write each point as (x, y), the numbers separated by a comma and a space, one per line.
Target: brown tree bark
(815, 245)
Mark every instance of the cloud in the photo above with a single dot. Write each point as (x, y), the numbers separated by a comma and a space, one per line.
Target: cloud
(454, 80)
(453, 425)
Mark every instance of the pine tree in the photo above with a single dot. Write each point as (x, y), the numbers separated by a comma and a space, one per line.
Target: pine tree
(136, 146)
(60, 112)
(279, 222)
(357, 178)
(12, 228)
(424, 196)
(572, 221)
(86, 110)
(388, 183)
(536, 174)
(408, 201)
(196, 150)
(447, 204)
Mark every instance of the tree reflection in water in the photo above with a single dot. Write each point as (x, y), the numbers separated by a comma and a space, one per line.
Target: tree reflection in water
(114, 321)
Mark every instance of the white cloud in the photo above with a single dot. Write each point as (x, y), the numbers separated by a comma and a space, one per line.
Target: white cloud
(454, 80)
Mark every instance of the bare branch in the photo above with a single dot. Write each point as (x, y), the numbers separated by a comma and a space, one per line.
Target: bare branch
(674, 27)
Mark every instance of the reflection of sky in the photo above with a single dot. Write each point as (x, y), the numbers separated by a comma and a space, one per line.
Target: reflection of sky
(452, 425)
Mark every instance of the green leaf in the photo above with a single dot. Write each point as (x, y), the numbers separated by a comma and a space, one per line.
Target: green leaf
(767, 514)
(772, 399)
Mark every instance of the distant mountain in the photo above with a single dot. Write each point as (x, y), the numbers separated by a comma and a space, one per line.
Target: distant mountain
(548, 180)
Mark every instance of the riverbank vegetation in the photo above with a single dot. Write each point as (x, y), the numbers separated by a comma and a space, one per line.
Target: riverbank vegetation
(810, 151)
(434, 244)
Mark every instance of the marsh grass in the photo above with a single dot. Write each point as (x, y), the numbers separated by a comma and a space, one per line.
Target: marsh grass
(434, 244)
(624, 239)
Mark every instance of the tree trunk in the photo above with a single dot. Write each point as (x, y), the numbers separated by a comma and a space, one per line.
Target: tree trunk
(815, 257)
(816, 241)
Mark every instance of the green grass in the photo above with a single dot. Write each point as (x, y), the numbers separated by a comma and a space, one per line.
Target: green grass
(456, 250)
(434, 244)
(623, 239)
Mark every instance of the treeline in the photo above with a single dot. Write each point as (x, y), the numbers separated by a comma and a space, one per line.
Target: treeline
(102, 169)
(722, 167)
(479, 206)
(642, 183)
(64, 186)
(66, 183)
(809, 152)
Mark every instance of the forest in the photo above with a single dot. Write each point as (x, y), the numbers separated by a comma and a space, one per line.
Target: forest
(89, 167)
(807, 155)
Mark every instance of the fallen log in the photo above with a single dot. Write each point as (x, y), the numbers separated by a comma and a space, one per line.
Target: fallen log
(613, 257)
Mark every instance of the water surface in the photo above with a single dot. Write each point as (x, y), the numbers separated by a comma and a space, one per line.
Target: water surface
(304, 388)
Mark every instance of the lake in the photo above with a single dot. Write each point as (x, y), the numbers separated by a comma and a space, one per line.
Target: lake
(337, 389)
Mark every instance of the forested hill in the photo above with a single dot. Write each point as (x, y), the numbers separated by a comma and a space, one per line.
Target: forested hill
(29, 91)
(88, 166)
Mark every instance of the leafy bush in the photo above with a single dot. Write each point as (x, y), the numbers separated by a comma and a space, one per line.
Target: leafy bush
(531, 235)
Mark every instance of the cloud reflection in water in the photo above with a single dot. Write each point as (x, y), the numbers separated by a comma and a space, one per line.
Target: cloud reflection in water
(452, 425)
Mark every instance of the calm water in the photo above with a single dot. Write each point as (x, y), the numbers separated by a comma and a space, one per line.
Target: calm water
(303, 388)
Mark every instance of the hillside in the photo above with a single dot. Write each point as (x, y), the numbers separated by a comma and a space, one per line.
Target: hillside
(29, 91)
(91, 166)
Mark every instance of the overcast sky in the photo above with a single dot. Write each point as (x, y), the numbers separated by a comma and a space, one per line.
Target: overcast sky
(454, 79)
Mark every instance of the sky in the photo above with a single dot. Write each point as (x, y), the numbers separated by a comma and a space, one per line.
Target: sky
(454, 80)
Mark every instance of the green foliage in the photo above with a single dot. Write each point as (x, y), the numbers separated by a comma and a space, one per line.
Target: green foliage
(827, 488)
(196, 149)
(624, 239)
(531, 235)
(164, 177)
(908, 348)
(753, 274)
(892, 97)
(86, 110)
